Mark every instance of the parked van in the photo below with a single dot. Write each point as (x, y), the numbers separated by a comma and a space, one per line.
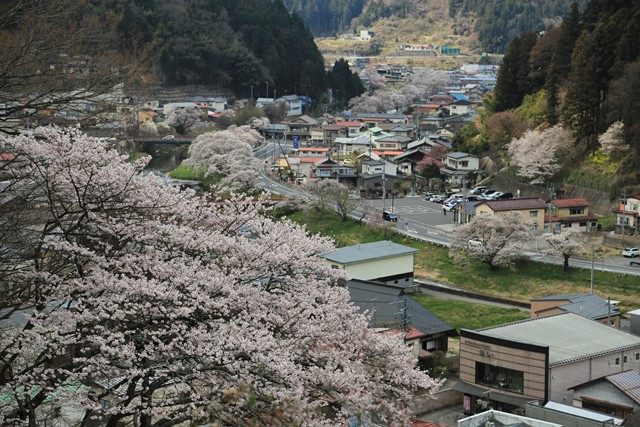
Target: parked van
(390, 216)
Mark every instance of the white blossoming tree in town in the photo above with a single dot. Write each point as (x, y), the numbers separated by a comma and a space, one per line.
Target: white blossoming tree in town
(536, 154)
(228, 153)
(495, 240)
(182, 119)
(612, 141)
(140, 303)
(421, 84)
(564, 244)
(333, 193)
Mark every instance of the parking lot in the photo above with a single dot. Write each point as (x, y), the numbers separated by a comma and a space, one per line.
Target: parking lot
(415, 210)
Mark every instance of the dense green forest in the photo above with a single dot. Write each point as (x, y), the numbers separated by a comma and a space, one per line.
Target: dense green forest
(230, 43)
(499, 21)
(326, 17)
(588, 70)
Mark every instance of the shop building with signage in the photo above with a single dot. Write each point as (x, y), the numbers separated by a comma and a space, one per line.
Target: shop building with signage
(541, 359)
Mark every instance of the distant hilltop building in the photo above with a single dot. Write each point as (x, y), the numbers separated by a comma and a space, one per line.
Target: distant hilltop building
(365, 35)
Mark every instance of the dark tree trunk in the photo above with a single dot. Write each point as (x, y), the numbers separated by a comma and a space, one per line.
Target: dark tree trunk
(565, 267)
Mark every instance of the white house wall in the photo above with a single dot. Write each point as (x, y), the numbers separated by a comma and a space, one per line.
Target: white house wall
(380, 267)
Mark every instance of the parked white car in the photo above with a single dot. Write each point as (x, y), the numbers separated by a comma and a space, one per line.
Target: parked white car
(631, 252)
(437, 198)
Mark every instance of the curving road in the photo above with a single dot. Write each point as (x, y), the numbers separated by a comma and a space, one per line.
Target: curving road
(417, 218)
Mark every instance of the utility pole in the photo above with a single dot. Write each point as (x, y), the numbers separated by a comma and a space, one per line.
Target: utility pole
(608, 311)
(267, 82)
(624, 214)
(251, 101)
(384, 187)
(592, 253)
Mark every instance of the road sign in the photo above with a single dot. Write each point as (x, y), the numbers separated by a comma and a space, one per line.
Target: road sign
(296, 142)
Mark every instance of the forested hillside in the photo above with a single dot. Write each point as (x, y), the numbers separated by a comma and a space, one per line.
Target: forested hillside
(326, 17)
(499, 21)
(230, 43)
(584, 74)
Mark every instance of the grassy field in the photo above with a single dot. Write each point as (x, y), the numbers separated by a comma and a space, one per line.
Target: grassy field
(185, 172)
(526, 281)
(461, 314)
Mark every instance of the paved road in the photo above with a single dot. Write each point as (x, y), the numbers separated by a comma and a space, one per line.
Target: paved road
(423, 220)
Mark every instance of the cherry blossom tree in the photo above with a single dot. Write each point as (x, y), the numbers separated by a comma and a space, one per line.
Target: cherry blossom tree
(563, 244)
(494, 240)
(228, 153)
(119, 288)
(182, 119)
(421, 84)
(330, 191)
(537, 152)
(612, 141)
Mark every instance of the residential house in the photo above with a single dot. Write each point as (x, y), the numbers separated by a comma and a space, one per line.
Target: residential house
(263, 102)
(530, 210)
(324, 168)
(331, 132)
(460, 168)
(217, 104)
(390, 168)
(372, 185)
(590, 306)
(464, 212)
(373, 167)
(394, 142)
(319, 152)
(424, 331)
(275, 130)
(146, 116)
(402, 130)
(349, 146)
(301, 127)
(475, 92)
(627, 214)
(616, 394)
(441, 99)
(293, 105)
(570, 213)
(539, 359)
(426, 108)
(461, 106)
(383, 261)
(352, 128)
(347, 175)
(372, 119)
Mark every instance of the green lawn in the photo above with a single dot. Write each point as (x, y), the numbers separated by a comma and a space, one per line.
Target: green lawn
(528, 280)
(185, 172)
(461, 314)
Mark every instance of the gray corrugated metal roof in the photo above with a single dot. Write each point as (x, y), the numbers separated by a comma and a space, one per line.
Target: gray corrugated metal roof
(373, 296)
(568, 336)
(368, 251)
(587, 305)
(627, 382)
(459, 155)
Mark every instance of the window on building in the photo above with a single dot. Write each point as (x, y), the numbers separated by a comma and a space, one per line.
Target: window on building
(637, 356)
(464, 164)
(498, 377)
(624, 359)
(617, 360)
(533, 214)
(583, 224)
(576, 211)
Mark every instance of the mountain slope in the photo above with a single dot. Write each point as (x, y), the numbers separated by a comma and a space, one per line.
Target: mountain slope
(230, 43)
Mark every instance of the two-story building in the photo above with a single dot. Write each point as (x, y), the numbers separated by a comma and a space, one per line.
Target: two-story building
(349, 146)
(301, 127)
(573, 213)
(383, 261)
(627, 214)
(539, 359)
(352, 128)
(458, 167)
(393, 142)
(293, 105)
(531, 210)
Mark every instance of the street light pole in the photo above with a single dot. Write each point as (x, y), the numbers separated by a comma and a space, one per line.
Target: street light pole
(267, 82)
(624, 215)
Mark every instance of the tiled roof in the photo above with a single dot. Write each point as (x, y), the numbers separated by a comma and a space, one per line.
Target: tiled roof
(515, 204)
(571, 203)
